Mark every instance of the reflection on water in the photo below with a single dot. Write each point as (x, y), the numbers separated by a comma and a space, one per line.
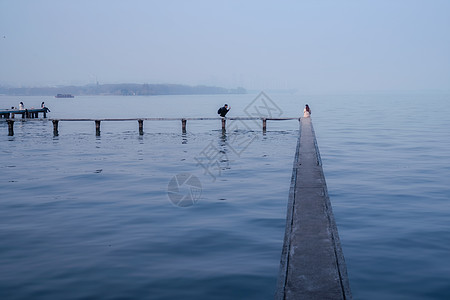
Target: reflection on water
(90, 217)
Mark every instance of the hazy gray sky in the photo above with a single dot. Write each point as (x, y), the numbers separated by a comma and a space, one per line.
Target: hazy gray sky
(312, 46)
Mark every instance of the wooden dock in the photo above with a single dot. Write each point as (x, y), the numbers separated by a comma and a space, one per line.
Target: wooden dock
(312, 263)
(140, 121)
(32, 113)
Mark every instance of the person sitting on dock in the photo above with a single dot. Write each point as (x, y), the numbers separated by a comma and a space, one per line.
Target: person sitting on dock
(306, 111)
(223, 110)
(43, 107)
(21, 107)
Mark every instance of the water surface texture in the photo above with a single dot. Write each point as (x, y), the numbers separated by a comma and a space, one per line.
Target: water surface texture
(84, 217)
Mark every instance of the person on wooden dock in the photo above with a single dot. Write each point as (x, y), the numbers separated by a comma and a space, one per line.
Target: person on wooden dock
(21, 107)
(223, 110)
(43, 107)
(306, 111)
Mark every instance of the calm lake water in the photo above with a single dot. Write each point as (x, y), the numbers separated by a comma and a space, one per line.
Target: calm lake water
(86, 217)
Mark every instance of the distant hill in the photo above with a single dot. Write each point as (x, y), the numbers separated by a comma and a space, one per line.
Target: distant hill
(125, 89)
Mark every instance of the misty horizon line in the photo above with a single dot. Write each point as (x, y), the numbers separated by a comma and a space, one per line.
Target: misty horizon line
(105, 84)
(123, 89)
(285, 89)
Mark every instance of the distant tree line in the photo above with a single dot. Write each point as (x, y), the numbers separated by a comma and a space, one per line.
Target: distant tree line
(127, 89)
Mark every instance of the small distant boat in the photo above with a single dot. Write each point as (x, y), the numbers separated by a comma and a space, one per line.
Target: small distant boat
(64, 96)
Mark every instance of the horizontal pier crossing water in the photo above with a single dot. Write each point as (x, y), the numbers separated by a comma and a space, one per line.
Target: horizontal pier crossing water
(312, 264)
(141, 122)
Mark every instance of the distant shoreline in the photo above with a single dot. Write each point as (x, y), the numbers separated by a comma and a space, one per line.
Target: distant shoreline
(124, 89)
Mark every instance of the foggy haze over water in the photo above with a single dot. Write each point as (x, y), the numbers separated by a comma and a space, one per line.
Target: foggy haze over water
(310, 46)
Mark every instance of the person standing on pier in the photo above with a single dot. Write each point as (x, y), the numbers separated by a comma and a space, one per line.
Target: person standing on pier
(306, 111)
(21, 107)
(223, 110)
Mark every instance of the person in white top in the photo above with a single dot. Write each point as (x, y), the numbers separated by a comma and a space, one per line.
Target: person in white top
(306, 111)
(21, 107)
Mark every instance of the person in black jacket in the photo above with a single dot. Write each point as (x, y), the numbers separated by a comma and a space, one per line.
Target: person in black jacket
(223, 110)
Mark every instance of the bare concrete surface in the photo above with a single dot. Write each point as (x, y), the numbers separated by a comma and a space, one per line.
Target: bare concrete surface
(312, 264)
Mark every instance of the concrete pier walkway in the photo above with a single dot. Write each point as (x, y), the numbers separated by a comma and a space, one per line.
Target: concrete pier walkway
(312, 263)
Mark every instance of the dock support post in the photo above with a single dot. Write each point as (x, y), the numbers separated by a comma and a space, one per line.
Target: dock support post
(141, 127)
(264, 124)
(55, 127)
(10, 127)
(183, 125)
(97, 127)
(224, 123)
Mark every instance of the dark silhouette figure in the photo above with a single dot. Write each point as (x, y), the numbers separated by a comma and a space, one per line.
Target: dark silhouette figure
(223, 110)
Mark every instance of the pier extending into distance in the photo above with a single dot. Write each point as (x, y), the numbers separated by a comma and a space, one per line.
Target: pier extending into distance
(312, 264)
